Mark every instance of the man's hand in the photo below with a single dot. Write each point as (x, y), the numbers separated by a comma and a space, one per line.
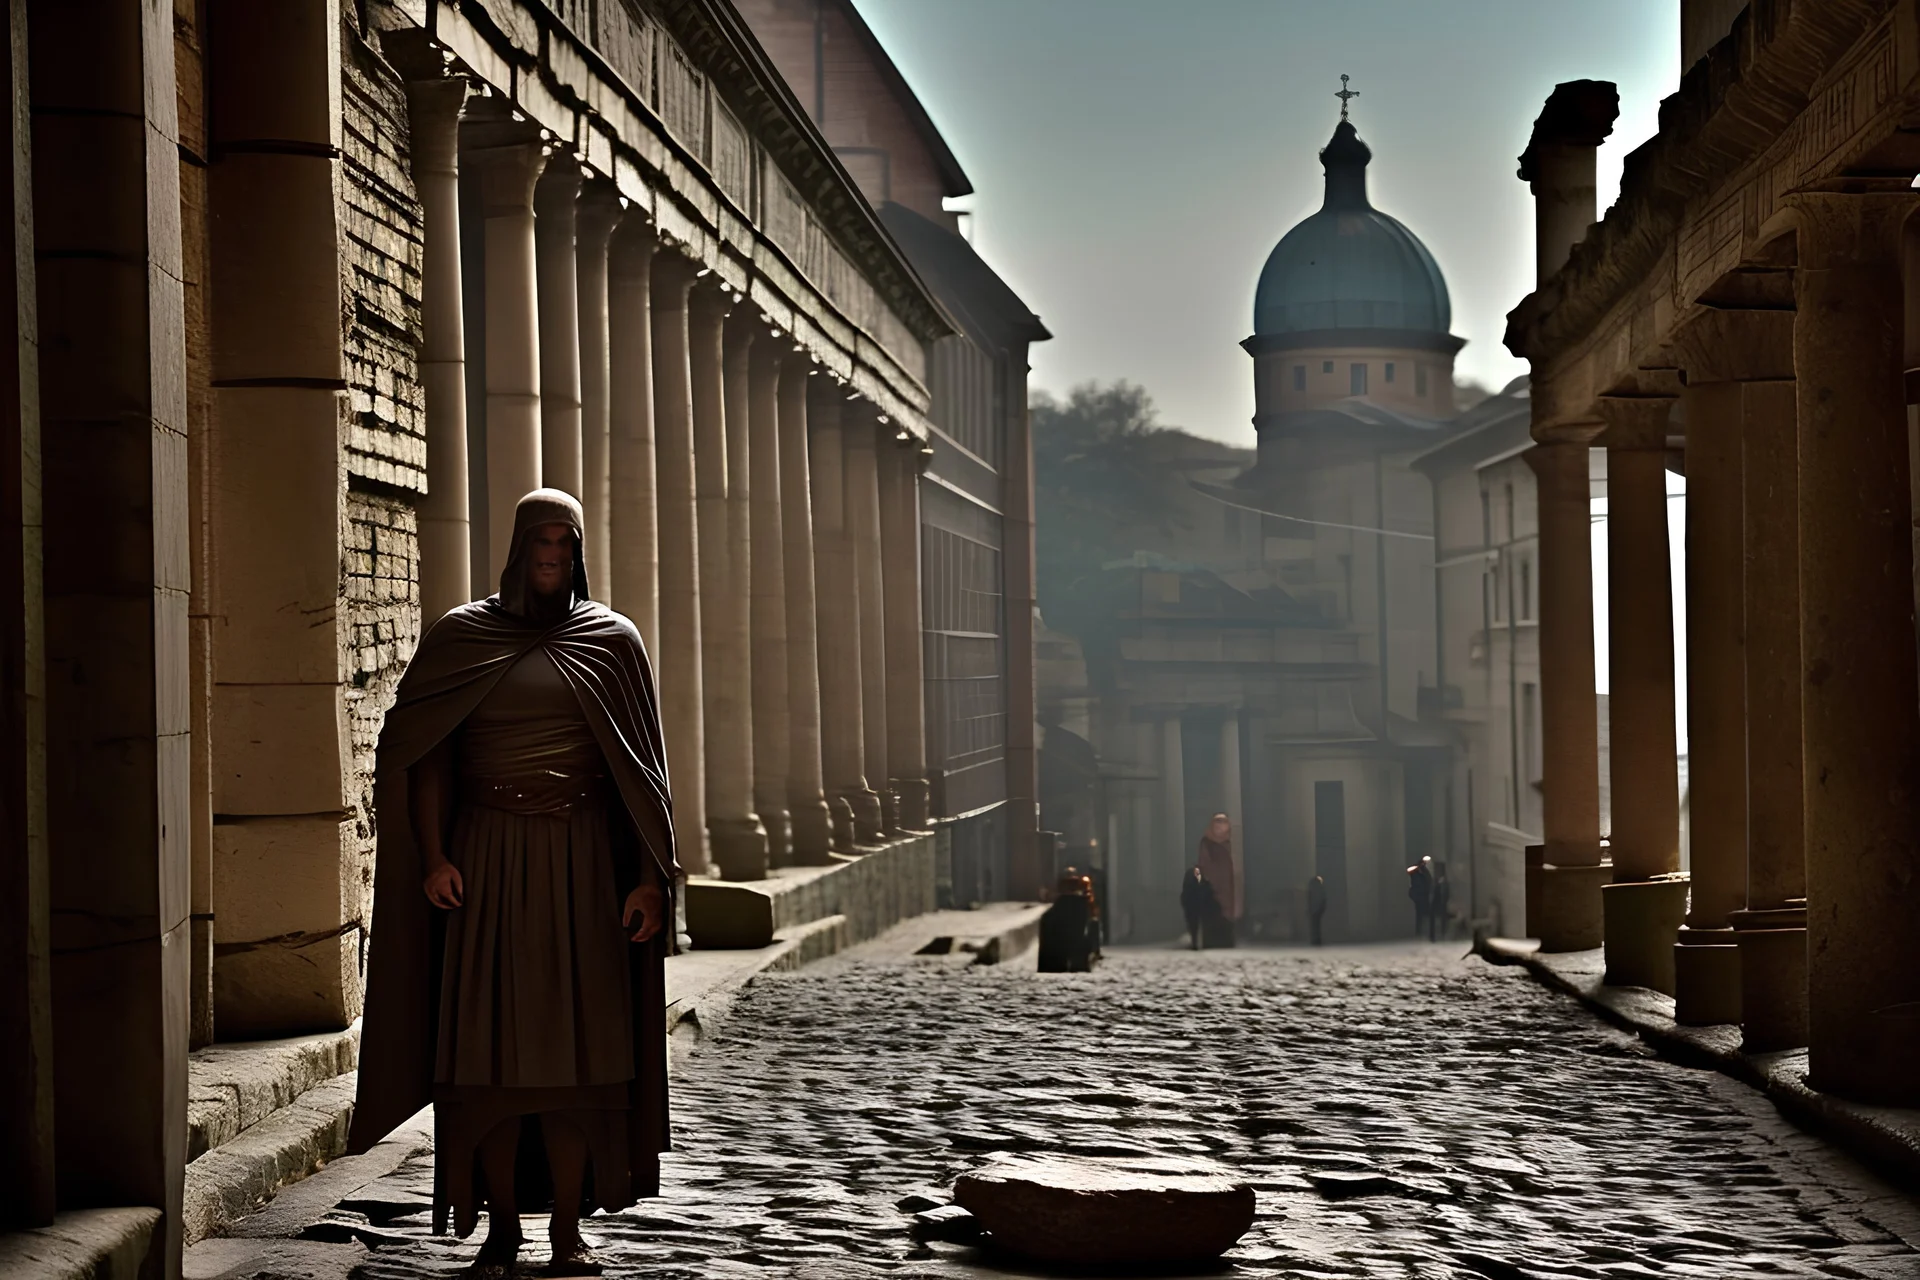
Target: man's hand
(443, 885)
(651, 906)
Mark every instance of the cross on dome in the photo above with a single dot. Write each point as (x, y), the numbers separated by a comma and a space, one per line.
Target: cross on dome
(1345, 95)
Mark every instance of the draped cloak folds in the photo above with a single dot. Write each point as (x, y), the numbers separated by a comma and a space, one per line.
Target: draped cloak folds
(600, 656)
(1219, 868)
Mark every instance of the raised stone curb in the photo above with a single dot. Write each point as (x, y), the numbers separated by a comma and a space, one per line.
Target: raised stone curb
(234, 1179)
(1887, 1137)
(232, 1087)
(86, 1244)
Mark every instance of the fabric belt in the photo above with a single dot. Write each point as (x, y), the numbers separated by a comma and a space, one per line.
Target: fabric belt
(542, 796)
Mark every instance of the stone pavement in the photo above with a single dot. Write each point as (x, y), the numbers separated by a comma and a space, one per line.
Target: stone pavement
(1403, 1112)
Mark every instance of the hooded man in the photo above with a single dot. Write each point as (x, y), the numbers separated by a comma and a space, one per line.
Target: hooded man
(522, 904)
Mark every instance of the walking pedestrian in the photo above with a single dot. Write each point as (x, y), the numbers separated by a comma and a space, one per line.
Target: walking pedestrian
(1316, 906)
(522, 900)
(1420, 889)
(1222, 874)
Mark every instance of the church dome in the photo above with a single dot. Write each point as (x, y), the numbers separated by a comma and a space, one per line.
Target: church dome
(1350, 266)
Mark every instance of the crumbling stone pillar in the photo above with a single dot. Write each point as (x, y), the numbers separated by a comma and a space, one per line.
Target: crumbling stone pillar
(720, 348)
(767, 597)
(863, 532)
(1644, 905)
(1559, 166)
(555, 205)
(445, 553)
(1862, 732)
(507, 176)
(633, 530)
(813, 827)
(600, 212)
(900, 465)
(677, 658)
(842, 718)
(1565, 910)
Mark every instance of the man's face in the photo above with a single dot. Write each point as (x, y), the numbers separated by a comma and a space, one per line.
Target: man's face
(550, 563)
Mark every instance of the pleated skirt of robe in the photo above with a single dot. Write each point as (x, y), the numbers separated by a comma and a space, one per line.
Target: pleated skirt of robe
(536, 1001)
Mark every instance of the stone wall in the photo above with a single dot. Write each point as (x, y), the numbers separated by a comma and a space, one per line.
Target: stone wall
(384, 428)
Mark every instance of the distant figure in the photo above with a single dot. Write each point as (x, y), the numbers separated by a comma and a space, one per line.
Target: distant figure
(1442, 893)
(1215, 860)
(1196, 903)
(1316, 906)
(1069, 931)
(1420, 889)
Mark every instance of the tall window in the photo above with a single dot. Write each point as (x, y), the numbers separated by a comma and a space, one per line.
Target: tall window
(1326, 366)
(1509, 496)
(1526, 590)
(1389, 374)
(1358, 374)
(1299, 377)
(1420, 379)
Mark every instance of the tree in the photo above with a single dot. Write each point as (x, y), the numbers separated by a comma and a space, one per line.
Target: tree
(1105, 473)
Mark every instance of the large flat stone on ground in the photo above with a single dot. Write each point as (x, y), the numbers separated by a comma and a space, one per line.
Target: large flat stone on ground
(1091, 1212)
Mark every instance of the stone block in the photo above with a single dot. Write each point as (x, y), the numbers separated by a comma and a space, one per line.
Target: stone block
(280, 749)
(723, 916)
(1706, 978)
(1642, 921)
(1082, 1212)
(276, 466)
(276, 269)
(1566, 915)
(274, 71)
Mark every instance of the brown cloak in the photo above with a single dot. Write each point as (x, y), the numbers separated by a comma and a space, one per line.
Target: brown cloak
(600, 655)
(1219, 869)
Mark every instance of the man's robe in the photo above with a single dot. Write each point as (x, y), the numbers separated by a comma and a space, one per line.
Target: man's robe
(600, 655)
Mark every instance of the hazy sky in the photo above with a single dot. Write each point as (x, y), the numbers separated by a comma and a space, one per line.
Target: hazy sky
(1135, 160)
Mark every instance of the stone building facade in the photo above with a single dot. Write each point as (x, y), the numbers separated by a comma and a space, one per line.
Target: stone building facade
(1275, 657)
(1744, 303)
(306, 295)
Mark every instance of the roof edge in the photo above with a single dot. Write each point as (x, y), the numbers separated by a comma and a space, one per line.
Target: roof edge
(952, 176)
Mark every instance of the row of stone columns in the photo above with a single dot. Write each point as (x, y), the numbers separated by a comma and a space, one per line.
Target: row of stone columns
(1803, 691)
(759, 524)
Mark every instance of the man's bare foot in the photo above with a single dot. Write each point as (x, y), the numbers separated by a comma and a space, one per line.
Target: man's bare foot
(498, 1254)
(572, 1256)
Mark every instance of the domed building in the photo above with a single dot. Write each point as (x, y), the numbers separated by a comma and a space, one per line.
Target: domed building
(1350, 303)
(1275, 656)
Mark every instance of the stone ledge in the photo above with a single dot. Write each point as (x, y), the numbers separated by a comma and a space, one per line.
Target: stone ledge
(1888, 1137)
(236, 1178)
(232, 1087)
(86, 1244)
(873, 890)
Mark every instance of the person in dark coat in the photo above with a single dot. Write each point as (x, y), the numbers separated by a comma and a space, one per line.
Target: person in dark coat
(1196, 903)
(1220, 868)
(1316, 907)
(1420, 889)
(522, 904)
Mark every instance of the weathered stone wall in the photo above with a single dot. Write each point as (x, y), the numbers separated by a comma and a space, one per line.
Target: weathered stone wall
(383, 434)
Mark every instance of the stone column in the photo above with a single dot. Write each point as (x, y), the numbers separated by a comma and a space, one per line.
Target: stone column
(1017, 567)
(600, 213)
(863, 531)
(108, 318)
(446, 576)
(1706, 961)
(1559, 166)
(1179, 843)
(514, 447)
(633, 533)
(1566, 909)
(677, 659)
(767, 597)
(842, 719)
(556, 198)
(1862, 735)
(1644, 905)
(27, 1177)
(720, 349)
(1772, 929)
(900, 466)
(806, 789)
(1233, 805)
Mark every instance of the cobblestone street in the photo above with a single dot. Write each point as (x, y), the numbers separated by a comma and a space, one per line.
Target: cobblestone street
(1506, 1133)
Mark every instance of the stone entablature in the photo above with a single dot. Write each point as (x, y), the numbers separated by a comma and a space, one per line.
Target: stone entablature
(745, 187)
(1798, 96)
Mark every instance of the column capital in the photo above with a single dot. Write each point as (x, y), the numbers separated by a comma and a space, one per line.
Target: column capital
(1732, 344)
(509, 174)
(709, 301)
(434, 108)
(1634, 422)
(1855, 221)
(600, 212)
(558, 188)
